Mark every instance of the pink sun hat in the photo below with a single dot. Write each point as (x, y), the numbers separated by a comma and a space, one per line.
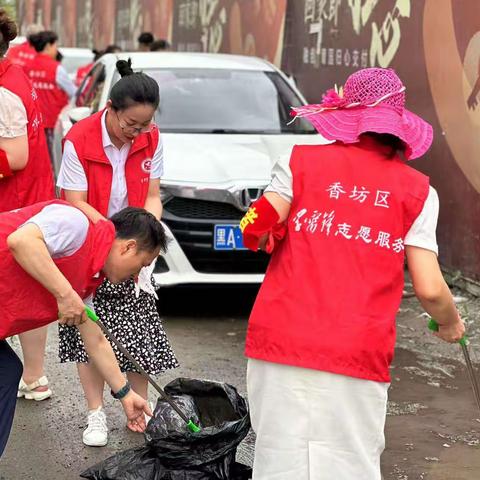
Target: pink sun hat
(372, 100)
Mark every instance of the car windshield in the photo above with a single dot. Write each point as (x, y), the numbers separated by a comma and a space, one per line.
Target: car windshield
(226, 101)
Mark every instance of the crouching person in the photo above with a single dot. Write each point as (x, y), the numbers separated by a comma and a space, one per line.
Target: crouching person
(52, 259)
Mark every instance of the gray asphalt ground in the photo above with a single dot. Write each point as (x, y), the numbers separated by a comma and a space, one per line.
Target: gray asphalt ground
(433, 425)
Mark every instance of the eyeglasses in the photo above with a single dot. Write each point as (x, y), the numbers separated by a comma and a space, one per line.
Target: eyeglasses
(128, 129)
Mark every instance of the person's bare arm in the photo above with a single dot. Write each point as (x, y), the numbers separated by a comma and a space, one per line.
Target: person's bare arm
(16, 149)
(279, 204)
(30, 251)
(101, 354)
(433, 292)
(79, 199)
(153, 203)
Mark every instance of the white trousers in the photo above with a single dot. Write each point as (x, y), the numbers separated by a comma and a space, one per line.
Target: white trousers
(314, 425)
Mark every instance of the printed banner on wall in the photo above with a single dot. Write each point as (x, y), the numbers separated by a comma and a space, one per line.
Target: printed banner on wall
(248, 27)
(350, 34)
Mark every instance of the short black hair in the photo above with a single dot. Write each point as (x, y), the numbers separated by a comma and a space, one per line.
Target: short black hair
(96, 54)
(42, 39)
(145, 38)
(159, 45)
(113, 49)
(392, 142)
(142, 226)
(133, 88)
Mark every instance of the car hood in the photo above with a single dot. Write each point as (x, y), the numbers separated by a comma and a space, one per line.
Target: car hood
(223, 159)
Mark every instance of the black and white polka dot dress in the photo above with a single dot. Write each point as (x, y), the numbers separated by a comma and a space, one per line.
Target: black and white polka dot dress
(135, 322)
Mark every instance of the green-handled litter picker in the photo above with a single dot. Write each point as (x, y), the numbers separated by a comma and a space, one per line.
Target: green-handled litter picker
(464, 342)
(190, 424)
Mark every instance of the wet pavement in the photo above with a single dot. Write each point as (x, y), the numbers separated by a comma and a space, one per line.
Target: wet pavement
(433, 424)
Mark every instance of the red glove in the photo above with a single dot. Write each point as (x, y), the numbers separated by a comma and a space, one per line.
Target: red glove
(5, 170)
(261, 219)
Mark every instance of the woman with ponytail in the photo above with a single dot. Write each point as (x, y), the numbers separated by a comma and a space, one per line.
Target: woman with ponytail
(111, 160)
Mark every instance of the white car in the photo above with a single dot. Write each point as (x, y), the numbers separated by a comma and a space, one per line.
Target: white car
(74, 58)
(223, 120)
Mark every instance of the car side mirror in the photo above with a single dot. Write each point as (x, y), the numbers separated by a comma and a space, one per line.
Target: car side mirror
(79, 113)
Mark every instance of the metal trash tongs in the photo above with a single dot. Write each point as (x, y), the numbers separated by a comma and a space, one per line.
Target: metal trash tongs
(190, 424)
(464, 342)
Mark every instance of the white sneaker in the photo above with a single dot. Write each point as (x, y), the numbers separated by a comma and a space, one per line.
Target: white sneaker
(96, 434)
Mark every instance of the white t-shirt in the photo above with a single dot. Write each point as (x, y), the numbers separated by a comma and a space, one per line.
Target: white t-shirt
(65, 82)
(64, 229)
(72, 175)
(422, 233)
(13, 116)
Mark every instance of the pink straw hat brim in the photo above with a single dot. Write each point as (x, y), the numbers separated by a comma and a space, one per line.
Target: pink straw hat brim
(347, 124)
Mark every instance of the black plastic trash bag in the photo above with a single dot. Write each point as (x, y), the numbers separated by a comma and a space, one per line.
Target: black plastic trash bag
(174, 453)
(166, 420)
(134, 464)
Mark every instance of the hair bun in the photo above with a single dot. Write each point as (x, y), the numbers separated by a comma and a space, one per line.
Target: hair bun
(124, 67)
(8, 28)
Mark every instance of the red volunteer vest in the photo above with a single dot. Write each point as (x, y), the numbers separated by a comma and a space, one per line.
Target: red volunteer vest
(25, 304)
(43, 74)
(82, 72)
(21, 55)
(334, 285)
(34, 183)
(86, 137)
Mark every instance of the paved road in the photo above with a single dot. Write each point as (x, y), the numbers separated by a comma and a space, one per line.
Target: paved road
(432, 428)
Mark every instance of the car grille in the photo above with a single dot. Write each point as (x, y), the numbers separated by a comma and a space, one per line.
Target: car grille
(189, 208)
(192, 222)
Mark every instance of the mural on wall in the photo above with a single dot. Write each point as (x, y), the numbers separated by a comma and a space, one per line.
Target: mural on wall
(98, 23)
(159, 18)
(136, 16)
(346, 33)
(333, 38)
(85, 29)
(454, 76)
(248, 27)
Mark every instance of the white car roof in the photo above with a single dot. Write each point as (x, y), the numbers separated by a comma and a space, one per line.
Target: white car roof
(76, 52)
(146, 60)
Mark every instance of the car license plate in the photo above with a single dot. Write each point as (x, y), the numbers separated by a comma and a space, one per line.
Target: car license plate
(228, 237)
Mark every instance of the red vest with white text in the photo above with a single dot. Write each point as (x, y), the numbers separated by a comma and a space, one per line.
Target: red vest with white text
(21, 55)
(43, 75)
(82, 72)
(86, 136)
(24, 303)
(334, 285)
(35, 182)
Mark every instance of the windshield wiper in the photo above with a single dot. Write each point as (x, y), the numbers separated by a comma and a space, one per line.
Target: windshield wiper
(221, 131)
(234, 131)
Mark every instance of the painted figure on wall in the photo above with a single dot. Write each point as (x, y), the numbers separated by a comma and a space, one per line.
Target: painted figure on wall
(452, 51)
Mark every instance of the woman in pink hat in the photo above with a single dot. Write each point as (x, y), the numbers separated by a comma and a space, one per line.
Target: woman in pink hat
(339, 219)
